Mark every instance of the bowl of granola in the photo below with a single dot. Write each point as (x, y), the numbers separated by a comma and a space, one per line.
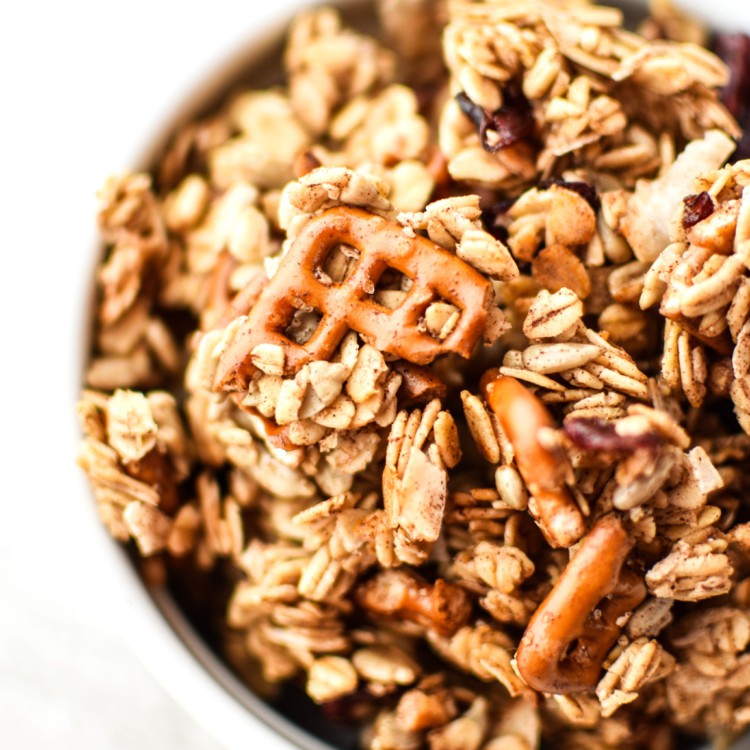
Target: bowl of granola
(418, 392)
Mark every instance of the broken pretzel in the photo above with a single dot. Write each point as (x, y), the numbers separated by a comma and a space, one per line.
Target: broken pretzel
(543, 467)
(441, 606)
(434, 272)
(573, 630)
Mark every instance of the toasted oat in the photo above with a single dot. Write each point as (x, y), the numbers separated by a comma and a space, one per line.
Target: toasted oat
(147, 525)
(414, 479)
(331, 677)
(484, 652)
(692, 572)
(328, 64)
(131, 429)
(487, 254)
(639, 663)
(552, 314)
(387, 665)
(464, 733)
(327, 187)
(511, 488)
(448, 220)
(551, 358)
(650, 618)
(481, 427)
(501, 568)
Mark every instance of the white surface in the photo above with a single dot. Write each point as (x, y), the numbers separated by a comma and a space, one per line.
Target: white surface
(84, 84)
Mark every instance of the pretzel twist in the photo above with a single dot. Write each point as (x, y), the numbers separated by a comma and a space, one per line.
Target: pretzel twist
(435, 274)
(573, 630)
(522, 415)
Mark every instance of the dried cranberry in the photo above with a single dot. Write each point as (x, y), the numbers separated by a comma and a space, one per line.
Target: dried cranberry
(473, 111)
(734, 50)
(599, 435)
(697, 208)
(586, 191)
(491, 218)
(513, 122)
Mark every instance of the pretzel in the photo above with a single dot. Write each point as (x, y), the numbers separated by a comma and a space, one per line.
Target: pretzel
(276, 434)
(522, 415)
(155, 469)
(243, 301)
(348, 305)
(574, 628)
(419, 385)
(443, 606)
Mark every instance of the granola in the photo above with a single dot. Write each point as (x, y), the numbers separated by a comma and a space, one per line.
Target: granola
(425, 376)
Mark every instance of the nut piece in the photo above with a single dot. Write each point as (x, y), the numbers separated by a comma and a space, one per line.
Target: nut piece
(557, 267)
(571, 220)
(442, 606)
(418, 710)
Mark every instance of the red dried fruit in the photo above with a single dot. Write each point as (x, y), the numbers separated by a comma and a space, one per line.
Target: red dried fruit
(513, 122)
(584, 189)
(601, 436)
(697, 208)
(734, 50)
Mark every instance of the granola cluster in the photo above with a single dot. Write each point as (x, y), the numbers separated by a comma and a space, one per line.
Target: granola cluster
(427, 372)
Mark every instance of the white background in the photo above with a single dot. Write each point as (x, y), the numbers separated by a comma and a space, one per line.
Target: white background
(83, 84)
(82, 87)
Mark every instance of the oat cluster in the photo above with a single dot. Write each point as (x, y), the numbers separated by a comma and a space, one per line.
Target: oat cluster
(429, 369)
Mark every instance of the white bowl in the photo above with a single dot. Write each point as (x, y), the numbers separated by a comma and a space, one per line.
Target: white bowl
(160, 633)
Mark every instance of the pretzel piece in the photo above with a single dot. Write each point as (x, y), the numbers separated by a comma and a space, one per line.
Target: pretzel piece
(348, 305)
(441, 606)
(155, 469)
(419, 385)
(276, 434)
(544, 468)
(574, 628)
(243, 301)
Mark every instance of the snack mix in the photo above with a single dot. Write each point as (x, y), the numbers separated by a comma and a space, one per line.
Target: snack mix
(429, 369)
